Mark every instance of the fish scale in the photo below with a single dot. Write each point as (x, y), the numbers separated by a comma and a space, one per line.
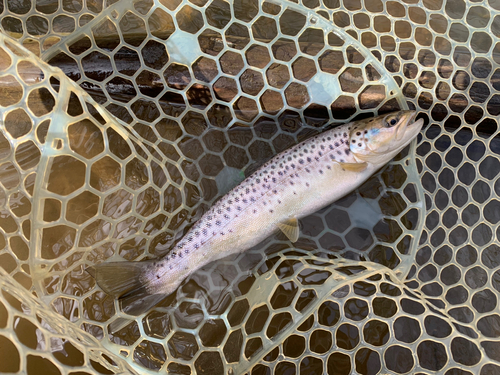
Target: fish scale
(293, 184)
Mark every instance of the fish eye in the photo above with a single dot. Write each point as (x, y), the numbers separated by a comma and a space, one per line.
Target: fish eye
(392, 122)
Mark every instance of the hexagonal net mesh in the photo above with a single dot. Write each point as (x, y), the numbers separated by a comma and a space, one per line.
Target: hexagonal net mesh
(123, 122)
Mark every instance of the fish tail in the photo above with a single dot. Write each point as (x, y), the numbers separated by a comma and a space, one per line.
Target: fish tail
(129, 282)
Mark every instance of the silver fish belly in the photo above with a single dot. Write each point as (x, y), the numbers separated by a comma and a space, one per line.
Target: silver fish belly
(293, 184)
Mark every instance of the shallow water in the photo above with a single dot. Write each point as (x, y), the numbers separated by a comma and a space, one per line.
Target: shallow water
(406, 264)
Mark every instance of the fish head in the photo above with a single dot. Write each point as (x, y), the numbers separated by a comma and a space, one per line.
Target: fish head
(379, 139)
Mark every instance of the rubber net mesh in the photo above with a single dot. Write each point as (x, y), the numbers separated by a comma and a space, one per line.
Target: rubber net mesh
(122, 123)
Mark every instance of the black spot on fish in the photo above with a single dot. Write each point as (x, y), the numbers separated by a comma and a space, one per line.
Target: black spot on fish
(366, 131)
(307, 170)
(309, 160)
(347, 151)
(321, 171)
(307, 184)
(218, 222)
(358, 133)
(353, 141)
(330, 138)
(359, 144)
(338, 152)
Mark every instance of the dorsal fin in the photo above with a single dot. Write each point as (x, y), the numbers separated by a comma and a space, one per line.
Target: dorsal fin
(354, 167)
(290, 228)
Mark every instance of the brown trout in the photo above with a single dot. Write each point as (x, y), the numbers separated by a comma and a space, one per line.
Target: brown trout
(293, 184)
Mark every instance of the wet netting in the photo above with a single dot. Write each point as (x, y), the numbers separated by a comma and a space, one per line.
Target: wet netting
(122, 122)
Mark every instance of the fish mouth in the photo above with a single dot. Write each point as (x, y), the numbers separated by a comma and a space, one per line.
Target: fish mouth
(409, 128)
(409, 122)
(412, 117)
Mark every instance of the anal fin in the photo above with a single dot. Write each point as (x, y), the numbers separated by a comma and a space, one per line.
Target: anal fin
(290, 228)
(354, 167)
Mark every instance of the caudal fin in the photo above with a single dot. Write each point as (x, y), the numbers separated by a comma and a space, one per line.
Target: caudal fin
(129, 282)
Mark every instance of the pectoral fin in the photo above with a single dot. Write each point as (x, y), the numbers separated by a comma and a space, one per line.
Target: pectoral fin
(290, 228)
(354, 167)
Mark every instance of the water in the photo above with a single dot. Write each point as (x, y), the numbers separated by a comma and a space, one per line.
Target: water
(201, 114)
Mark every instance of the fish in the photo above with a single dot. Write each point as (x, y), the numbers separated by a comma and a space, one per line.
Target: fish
(293, 184)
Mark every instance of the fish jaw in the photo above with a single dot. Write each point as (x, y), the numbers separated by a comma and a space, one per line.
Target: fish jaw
(409, 129)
